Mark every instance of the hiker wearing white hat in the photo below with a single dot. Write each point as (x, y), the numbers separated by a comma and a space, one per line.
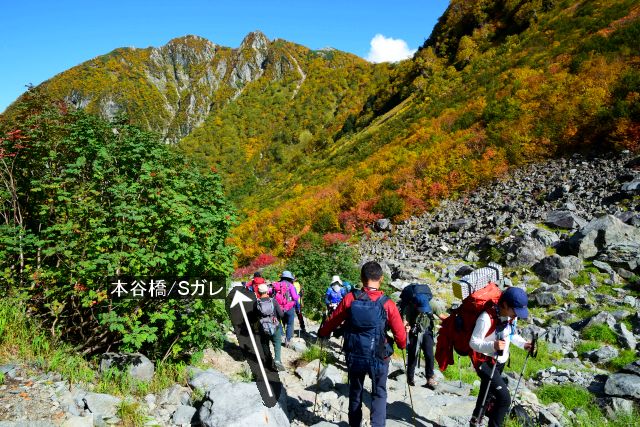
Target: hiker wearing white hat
(334, 294)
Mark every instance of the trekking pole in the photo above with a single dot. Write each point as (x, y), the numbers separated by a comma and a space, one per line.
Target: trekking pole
(486, 393)
(459, 370)
(533, 351)
(413, 412)
(315, 400)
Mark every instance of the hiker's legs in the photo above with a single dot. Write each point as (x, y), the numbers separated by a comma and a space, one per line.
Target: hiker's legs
(379, 395)
(498, 389)
(300, 318)
(412, 360)
(427, 349)
(289, 318)
(264, 342)
(356, 387)
(277, 343)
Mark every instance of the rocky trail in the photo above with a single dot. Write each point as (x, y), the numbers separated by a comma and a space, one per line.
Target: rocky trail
(567, 230)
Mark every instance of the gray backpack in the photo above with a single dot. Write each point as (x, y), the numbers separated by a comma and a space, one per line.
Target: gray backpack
(268, 320)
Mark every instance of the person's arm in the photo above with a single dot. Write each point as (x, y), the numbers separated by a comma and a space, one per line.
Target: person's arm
(478, 341)
(395, 323)
(326, 297)
(279, 310)
(337, 317)
(294, 293)
(519, 341)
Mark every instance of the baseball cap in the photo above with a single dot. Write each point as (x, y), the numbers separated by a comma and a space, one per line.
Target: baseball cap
(517, 299)
(263, 288)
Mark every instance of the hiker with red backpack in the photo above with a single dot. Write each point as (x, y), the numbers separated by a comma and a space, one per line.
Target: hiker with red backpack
(494, 331)
(287, 296)
(367, 314)
(269, 315)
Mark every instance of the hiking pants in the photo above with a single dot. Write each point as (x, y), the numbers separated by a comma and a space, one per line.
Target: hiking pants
(288, 320)
(498, 394)
(276, 339)
(357, 372)
(300, 318)
(426, 345)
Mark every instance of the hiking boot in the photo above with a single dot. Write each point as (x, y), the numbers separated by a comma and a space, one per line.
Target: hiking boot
(411, 382)
(280, 367)
(431, 383)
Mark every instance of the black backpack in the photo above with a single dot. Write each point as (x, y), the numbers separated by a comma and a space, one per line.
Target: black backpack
(268, 320)
(365, 337)
(413, 297)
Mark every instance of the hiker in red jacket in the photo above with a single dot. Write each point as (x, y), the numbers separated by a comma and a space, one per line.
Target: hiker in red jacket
(367, 314)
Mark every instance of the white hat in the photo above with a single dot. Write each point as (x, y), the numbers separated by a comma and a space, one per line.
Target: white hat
(263, 288)
(336, 279)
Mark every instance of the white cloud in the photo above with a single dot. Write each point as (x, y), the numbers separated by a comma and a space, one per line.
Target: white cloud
(387, 49)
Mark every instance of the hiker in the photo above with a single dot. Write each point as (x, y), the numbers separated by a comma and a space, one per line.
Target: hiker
(367, 314)
(270, 313)
(252, 285)
(334, 295)
(346, 287)
(418, 315)
(494, 330)
(286, 295)
(299, 304)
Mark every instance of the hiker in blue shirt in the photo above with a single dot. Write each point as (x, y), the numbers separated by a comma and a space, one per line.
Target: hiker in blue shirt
(333, 296)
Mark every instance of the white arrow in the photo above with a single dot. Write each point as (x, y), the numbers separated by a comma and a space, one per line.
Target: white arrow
(240, 298)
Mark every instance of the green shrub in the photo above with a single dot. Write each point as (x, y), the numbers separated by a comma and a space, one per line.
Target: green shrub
(586, 346)
(624, 358)
(102, 200)
(315, 352)
(389, 205)
(131, 414)
(601, 333)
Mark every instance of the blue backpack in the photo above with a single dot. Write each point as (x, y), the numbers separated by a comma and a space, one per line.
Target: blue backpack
(334, 297)
(365, 337)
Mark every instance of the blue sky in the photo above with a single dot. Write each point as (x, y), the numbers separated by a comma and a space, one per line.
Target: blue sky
(39, 39)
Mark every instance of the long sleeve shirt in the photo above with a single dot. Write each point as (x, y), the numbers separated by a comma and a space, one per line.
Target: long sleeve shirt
(394, 321)
(483, 343)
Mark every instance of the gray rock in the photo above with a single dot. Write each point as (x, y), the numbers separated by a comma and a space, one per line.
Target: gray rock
(555, 268)
(207, 380)
(382, 225)
(545, 299)
(603, 266)
(330, 376)
(632, 187)
(308, 373)
(618, 406)
(174, 395)
(324, 424)
(561, 336)
(524, 251)
(546, 418)
(620, 314)
(565, 219)
(602, 318)
(298, 345)
(546, 237)
(632, 368)
(101, 404)
(137, 365)
(75, 421)
(623, 385)
(603, 354)
(240, 405)
(630, 300)
(625, 337)
(183, 415)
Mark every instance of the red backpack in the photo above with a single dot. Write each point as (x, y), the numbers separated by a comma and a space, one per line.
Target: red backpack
(456, 330)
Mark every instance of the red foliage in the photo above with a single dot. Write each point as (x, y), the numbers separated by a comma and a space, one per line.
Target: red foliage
(333, 238)
(358, 217)
(259, 262)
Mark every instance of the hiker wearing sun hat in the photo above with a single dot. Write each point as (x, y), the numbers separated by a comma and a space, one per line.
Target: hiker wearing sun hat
(494, 331)
(287, 296)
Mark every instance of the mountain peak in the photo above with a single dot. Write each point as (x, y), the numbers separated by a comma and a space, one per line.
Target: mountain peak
(255, 40)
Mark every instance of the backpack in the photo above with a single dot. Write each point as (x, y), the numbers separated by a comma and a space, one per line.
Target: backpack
(283, 294)
(456, 330)
(415, 307)
(477, 279)
(335, 297)
(268, 320)
(365, 337)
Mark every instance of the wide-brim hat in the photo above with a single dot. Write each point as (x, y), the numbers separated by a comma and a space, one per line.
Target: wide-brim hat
(335, 279)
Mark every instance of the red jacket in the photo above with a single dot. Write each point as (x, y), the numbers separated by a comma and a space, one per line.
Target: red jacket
(394, 321)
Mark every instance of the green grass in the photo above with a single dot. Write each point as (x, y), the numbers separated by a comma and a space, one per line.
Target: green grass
(624, 358)
(586, 346)
(452, 373)
(544, 360)
(131, 414)
(244, 376)
(315, 352)
(1, 378)
(601, 333)
(569, 396)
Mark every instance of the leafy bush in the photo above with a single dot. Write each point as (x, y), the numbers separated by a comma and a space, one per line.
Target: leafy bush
(91, 200)
(390, 205)
(601, 333)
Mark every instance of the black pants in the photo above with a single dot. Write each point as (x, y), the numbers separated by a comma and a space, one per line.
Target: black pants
(498, 393)
(378, 374)
(417, 343)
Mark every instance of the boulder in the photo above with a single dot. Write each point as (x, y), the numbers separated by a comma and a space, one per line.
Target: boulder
(565, 219)
(616, 242)
(625, 337)
(100, 404)
(632, 187)
(383, 224)
(174, 396)
(308, 373)
(330, 376)
(545, 299)
(137, 365)
(524, 251)
(240, 405)
(183, 415)
(561, 336)
(618, 406)
(555, 268)
(603, 354)
(602, 318)
(623, 385)
(632, 368)
(207, 380)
